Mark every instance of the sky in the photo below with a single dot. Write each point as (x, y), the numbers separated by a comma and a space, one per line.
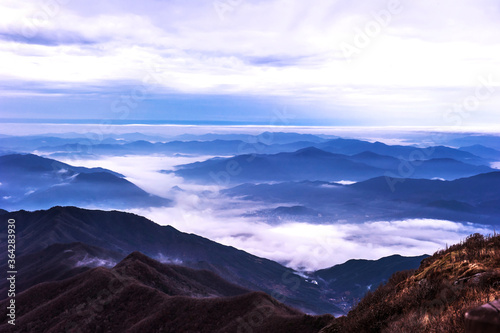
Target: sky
(338, 63)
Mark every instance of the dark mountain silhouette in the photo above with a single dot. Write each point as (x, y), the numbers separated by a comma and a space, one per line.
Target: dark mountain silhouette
(34, 182)
(351, 280)
(125, 233)
(142, 295)
(57, 262)
(472, 199)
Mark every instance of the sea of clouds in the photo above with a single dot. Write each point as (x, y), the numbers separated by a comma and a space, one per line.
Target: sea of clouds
(304, 246)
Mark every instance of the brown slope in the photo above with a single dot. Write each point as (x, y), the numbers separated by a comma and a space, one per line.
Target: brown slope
(57, 262)
(142, 295)
(434, 298)
(124, 233)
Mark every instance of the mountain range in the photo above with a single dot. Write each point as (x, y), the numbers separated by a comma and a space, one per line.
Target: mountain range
(67, 240)
(140, 294)
(472, 199)
(316, 164)
(32, 182)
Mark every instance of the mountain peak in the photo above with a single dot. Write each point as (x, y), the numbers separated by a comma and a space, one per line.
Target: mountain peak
(312, 151)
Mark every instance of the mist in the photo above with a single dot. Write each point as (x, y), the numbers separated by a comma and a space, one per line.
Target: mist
(299, 245)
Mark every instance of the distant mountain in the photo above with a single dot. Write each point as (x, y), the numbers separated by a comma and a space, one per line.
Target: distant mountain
(352, 147)
(268, 138)
(124, 233)
(482, 151)
(444, 168)
(473, 199)
(305, 164)
(30, 143)
(351, 280)
(265, 143)
(33, 182)
(315, 164)
(142, 147)
(142, 295)
(490, 141)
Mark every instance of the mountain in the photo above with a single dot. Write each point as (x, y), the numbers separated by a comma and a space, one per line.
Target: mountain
(34, 182)
(473, 199)
(57, 262)
(483, 152)
(409, 153)
(442, 295)
(443, 168)
(142, 295)
(315, 164)
(351, 280)
(265, 137)
(124, 233)
(33, 142)
(491, 141)
(308, 163)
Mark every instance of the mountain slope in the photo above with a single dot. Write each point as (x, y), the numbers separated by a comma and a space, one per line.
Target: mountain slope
(57, 262)
(142, 295)
(435, 297)
(125, 233)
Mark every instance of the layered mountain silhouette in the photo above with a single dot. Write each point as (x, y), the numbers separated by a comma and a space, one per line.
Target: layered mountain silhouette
(316, 164)
(125, 233)
(142, 295)
(265, 143)
(483, 152)
(57, 262)
(34, 182)
(65, 241)
(351, 280)
(471, 199)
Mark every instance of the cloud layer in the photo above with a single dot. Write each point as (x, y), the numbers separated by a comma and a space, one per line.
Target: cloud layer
(299, 245)
(386, 61)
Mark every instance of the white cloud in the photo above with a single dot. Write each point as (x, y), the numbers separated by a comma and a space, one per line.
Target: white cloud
(285, 48)
(310, 246)
(299, 245)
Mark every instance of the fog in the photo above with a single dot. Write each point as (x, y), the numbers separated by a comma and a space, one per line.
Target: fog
(299, 245)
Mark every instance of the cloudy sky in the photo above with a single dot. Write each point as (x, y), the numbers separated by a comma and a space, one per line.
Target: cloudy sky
(366, 62)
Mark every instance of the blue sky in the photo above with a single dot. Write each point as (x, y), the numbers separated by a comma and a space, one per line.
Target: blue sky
(335, 63)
